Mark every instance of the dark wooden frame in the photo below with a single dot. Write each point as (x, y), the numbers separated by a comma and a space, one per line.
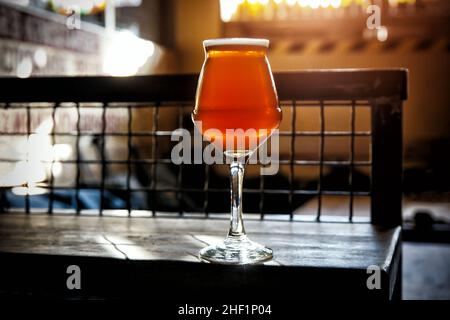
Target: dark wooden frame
(336, 84)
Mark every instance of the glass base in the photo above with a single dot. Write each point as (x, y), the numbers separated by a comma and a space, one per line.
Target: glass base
(236, 250)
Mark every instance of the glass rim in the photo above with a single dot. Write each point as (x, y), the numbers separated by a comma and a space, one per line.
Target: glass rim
(236, 41)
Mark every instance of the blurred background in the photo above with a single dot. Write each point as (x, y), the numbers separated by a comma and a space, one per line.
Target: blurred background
(136, 37)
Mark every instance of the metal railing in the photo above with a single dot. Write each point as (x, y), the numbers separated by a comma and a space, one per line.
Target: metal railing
(96, 115)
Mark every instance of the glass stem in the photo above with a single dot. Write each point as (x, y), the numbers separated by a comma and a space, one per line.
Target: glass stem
(236, 179)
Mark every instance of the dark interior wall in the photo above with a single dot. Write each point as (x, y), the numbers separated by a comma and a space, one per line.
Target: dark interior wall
(155, 20)
(426, 113)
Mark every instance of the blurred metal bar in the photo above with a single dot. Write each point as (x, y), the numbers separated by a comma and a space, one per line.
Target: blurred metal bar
(206, 190)
(261, 197)
(129, 155)
(169, 133)
(155, 122)
(180, 169)
(329, 163)
(52, 178)
(169, 104)
(321, 155)
(352, 158)
(292, 152)
(78, 161)
(219, 190)
(102, 142)
(27, 196)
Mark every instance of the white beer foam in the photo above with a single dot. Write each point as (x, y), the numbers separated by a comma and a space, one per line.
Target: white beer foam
(236, 41)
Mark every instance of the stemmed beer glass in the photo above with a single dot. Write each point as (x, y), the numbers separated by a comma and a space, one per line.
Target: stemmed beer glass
(237, 107)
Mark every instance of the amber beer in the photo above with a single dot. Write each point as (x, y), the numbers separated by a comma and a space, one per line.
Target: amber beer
(236, 109)
(236, 91)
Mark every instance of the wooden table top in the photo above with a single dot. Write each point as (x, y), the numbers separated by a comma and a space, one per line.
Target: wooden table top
(167, 248)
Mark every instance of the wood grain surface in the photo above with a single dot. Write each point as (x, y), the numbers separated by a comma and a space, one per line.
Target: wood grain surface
(313, 259)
